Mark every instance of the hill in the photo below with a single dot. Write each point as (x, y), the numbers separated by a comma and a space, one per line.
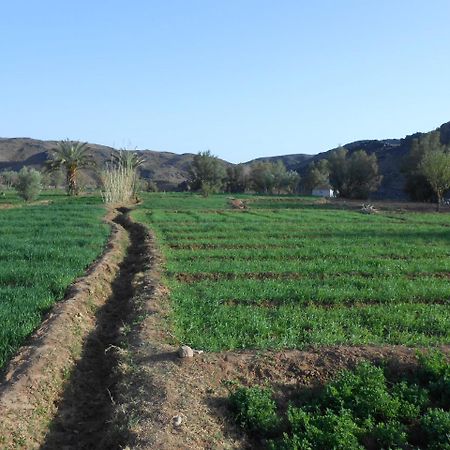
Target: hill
(390, 155)
(168, 169)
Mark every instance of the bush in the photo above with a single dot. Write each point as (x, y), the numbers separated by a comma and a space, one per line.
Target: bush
(254, 409)
(362, 391)
(152, 186)
(29, 184)
(435, 375)
(436, 426)
(391, 434)
(315, 431)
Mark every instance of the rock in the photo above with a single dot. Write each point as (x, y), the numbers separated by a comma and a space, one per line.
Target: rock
(177, 420)
(185, 352)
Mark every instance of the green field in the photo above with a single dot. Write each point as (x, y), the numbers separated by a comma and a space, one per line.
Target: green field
(288, 273)
(42, 250)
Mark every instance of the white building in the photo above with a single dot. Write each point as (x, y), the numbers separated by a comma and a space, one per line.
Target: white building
(323, 191)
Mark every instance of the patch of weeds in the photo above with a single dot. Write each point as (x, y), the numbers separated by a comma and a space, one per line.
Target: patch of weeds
(360, 408)
(254, 409)
(139, 319)
(126, 329)
(92, 305)
(66, 372)
(436, 426)
(133, 420)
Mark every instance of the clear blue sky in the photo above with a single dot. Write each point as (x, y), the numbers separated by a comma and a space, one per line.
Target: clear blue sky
(243, 78)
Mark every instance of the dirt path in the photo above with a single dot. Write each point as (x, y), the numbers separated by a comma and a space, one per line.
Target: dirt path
(85, 411)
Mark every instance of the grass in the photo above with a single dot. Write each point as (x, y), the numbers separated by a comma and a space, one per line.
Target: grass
(291, 277)
(43, 248)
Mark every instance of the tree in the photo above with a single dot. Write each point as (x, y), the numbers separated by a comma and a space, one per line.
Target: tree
(262, 177)
(238, 179)
(339, 176)
(435, 166)
(364, 177)
(29, 183)
(416, 184)
(318, 175)
(8, 178)
(353, 176)
(267, 177)
(71, 156)
(290, 181)
(207, 173)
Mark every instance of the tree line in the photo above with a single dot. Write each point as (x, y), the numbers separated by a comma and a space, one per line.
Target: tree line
(208, 174)
(353, 175)
(350, 176)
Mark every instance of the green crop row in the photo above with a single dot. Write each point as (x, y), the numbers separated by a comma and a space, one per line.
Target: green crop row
(333, 291)
(42, 250)
(292, 277)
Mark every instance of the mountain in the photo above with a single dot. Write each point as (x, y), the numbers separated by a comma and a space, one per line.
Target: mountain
(168, 170)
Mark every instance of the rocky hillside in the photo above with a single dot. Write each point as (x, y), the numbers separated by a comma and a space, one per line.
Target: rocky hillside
(168, 170)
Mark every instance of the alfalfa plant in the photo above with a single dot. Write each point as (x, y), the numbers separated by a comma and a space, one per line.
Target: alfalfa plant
(29, 184)
(120, 178)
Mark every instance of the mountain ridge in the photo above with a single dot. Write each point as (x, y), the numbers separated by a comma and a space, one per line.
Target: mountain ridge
(168, 170)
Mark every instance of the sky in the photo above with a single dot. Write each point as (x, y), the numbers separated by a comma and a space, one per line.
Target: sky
(242, 78)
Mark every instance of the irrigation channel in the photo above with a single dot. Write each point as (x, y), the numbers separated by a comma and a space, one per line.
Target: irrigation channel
(84, 415)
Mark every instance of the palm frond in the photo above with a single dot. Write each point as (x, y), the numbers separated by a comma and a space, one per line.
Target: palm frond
(70, 153)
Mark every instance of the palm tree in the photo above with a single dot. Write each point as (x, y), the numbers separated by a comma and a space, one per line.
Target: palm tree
(71, 156)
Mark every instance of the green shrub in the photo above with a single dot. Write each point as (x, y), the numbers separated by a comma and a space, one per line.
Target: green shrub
(254, 409)
(436, 426)
(413, 399)
(315, 431)
(363, 391)
(29, 184)
(435, 375)
(391, 434)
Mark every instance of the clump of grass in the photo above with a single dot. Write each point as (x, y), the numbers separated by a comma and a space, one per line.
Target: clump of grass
(120, 179)
(254, 409)
(118, 184)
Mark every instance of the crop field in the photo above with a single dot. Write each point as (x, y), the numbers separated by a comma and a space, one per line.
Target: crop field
(43, 249)
(291, 273)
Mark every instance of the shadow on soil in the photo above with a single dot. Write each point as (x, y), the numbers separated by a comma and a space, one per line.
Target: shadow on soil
(85, 410)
